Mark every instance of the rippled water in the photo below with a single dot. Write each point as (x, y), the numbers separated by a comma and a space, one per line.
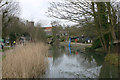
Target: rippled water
(74, 62)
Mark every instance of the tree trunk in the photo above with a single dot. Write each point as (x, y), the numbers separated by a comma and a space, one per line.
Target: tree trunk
(111, 21)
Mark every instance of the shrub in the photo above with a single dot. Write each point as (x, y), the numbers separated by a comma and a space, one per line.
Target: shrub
(96, 44)
(113, 59)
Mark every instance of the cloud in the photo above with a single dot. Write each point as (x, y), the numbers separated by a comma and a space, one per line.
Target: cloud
(35, 9)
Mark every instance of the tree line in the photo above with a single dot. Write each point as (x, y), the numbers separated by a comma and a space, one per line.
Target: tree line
(13, 27)
(99, 19)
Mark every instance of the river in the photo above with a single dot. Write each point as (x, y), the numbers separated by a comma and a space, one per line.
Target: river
(74, 62)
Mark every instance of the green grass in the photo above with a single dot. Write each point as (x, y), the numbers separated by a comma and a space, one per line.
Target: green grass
(3, 57)
(89, 48)
(113, 59)
(1, 50)
(5, 49)
(99, 50)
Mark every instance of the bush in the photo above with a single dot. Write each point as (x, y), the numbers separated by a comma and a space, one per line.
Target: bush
(113, 59)
(96, 44)
(62, 39)
(89, 49)
(49, 36)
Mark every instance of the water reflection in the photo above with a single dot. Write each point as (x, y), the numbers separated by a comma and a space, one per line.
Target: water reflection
(70, 49)
(72, 62)
(109, 71)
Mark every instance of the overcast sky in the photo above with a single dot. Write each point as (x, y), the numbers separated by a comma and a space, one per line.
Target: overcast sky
(34, 10)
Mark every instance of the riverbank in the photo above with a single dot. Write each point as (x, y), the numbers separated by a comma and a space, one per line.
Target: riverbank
(82, 45)
(73, 63)
(113, 59)
(26, 61)
(73, 43)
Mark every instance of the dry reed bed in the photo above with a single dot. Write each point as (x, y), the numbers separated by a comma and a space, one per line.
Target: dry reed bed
(25, 62)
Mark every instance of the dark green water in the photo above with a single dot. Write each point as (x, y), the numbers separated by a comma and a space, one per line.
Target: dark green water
(74, 62)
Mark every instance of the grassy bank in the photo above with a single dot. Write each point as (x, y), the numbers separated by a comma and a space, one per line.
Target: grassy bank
(0, 50)
(25, 61)
(113, 59)
(7, 48)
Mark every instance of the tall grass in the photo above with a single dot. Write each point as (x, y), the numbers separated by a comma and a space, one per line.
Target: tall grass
(25, 62)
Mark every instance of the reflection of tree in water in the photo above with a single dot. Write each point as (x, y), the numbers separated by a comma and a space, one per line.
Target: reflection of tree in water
(88, 62)
(90, 59)
(74, 51)
(98, 57)
(109, 71)
(83, 61)
(87, 58)
(57, 52)
(91, 62)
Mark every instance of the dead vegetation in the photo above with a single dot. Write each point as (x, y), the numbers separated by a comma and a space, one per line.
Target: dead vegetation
(25, 62)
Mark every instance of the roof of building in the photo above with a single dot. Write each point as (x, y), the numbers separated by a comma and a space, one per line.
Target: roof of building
(47, 27)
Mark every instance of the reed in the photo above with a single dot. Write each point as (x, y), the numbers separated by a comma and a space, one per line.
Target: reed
(25, 61)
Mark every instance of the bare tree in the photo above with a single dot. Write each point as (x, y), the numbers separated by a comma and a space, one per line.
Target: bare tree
(78, 11)
(8, 10)
(101, 14)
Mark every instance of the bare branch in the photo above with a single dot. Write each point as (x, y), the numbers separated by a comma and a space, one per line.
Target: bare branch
(72, 10)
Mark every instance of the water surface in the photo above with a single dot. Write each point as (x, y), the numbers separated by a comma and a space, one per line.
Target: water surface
(74, 62)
